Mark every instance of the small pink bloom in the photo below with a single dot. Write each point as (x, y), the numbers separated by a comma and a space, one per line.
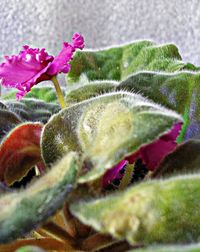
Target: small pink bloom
(150, 154)
(32, 66)
(78, 41)
(113, 173)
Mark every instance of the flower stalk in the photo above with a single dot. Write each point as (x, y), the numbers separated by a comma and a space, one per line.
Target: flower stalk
(59, 92)
(34, 65)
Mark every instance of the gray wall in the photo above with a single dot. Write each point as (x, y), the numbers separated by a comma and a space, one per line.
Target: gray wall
(46, 23)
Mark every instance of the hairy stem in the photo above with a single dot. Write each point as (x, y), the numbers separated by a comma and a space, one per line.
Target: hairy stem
(59, 92)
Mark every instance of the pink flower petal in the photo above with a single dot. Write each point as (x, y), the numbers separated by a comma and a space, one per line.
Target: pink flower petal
(21, 68)
(26, 86)
(151, 154)
(23, 71)
(78, 41)
(61, 62)
(32, 66)
(113, 173)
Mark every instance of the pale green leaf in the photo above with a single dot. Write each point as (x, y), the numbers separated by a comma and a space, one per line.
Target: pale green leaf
(104, 130)
(163, 212)
(24, 210)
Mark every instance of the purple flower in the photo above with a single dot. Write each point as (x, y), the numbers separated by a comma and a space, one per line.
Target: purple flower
(32, 66)
(113, 173)
(150, 154)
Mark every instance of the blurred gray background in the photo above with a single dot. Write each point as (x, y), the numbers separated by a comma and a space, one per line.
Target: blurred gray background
(47, 23)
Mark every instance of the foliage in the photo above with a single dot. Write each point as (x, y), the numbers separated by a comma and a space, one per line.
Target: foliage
(123, 106)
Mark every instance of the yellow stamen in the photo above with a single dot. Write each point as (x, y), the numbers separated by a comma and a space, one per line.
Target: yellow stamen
(127, 176)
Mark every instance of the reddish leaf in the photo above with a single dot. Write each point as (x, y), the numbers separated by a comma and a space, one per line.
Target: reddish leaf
(20, 151)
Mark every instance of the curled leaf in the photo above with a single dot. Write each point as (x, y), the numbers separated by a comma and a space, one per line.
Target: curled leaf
(104, 130)
(184, 160)
(164, 212)
(178, 91)
(116, 63)
(24, 210)
(20, 151)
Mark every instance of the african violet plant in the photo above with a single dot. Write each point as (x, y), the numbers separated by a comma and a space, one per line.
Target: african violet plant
(115, 165)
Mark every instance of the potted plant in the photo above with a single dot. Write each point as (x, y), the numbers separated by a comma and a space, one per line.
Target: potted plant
(108, 163)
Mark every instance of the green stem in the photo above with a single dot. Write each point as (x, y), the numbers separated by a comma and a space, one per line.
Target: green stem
(58, 91)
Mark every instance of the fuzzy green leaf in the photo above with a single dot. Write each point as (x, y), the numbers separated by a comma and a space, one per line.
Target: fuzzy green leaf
(164, 212)
(116, 63)
(104, 130)
(178, 91)
(78, 93)
(29, 109)
(8, 120)
(14, 112)
(188, 248)
(24, 210)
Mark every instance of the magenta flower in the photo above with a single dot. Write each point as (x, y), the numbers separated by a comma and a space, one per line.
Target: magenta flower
(32, 66)
(150, 154)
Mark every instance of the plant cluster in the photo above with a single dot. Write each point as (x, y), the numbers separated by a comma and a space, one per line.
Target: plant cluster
(114, 166)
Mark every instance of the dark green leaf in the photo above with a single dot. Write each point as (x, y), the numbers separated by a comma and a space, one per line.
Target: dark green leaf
(34, 110)
(78, 93)
(178, 91)
(116, 63)
(8, 120)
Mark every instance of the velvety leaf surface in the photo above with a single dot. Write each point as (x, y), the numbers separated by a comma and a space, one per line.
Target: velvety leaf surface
(34, 110)
(152, 212)
(104, 130)
(178, 91)
(184, 160)
(22, 211)
(20, 151)
(116, 63)
(189, 248)
(78, 93)
(8, 120)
